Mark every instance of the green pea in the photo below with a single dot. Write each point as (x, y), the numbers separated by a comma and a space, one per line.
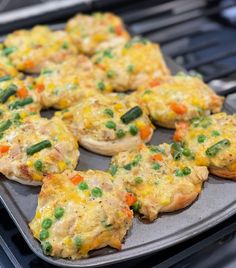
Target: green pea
(78, 241)
(179, 173)
(83, 186)
(136, 206)
(130, 68)
(59, 212)
(128, 166)
(47, 223)
(120, 133)
(109, 112)
(133, 130)
(65, 45)
(113, 169)
(111, 125)
(47, 248)
(110, 74)
(96, 192)
(156, 166)
(101, 86)
(186, 171)
(201, 138)
(44, 234)
(38, 165)
(215, 133)
(138, 180)
(186, 152)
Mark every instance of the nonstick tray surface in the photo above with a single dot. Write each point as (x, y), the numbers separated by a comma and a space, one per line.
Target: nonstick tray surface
(215, 204)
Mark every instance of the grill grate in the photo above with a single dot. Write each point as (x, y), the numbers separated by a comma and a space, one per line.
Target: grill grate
(195, 35)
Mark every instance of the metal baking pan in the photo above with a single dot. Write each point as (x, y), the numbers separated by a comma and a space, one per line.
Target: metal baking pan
(215, 204)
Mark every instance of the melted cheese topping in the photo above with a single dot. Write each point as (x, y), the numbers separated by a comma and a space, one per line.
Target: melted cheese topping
(35, 48)
(23, 133)
(94, 213)
(180, 99)
(206, 132)
(62, 85)
(156, 179)
(100, 118)
(96, 32)
(136, 63)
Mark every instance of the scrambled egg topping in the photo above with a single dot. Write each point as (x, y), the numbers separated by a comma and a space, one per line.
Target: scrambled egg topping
(180, 98)
(211, 139)
(108, 118)
(65, 84)
(78, 212)
(138, 62)
(96, 32)
(32, 147)
(34, 49)
(159, 178)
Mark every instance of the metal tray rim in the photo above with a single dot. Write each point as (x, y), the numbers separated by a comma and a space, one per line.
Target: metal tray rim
(122, 255)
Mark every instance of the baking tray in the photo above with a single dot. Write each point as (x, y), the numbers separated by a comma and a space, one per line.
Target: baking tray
(216, 203)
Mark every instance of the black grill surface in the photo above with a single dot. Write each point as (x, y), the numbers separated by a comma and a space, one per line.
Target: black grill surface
(200, 36)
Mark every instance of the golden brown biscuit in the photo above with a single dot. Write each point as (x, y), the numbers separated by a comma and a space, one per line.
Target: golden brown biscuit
(212, 141)
(159, 178)
(32, 147)
(136, 63)
(108, 124)
(79, 211)
(180, 98)
(35, 48)
(96, 32)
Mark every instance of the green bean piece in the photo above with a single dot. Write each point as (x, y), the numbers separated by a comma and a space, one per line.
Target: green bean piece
(216, 148)
(113, 169)
(138, 180)
(110, 124)
(133, 130)
(7, 51)
(6, 94)
(38, 147)
(176, 150)
(136, 206)
(131, 115)
(5, 78)
(109, 112)
(5, 125)
(21, 103)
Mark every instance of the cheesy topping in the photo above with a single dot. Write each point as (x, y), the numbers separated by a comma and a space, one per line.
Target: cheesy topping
(62, 85)
(35, 48)
(78, 212)
(212, 139)
(136, 63)
(32, 147)
(100, 117)
(180, 98)
(96, 32)
(161, 178)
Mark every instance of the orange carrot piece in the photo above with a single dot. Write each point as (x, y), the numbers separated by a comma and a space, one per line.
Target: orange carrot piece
(178, 108)
(40, 88)
(22, 93)
(145, 132)
(118, 30)
(154, 83)
(157, 157)
(4, 149)
(130, 199)
(29, 64)
(128, 212)
(77, 179)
